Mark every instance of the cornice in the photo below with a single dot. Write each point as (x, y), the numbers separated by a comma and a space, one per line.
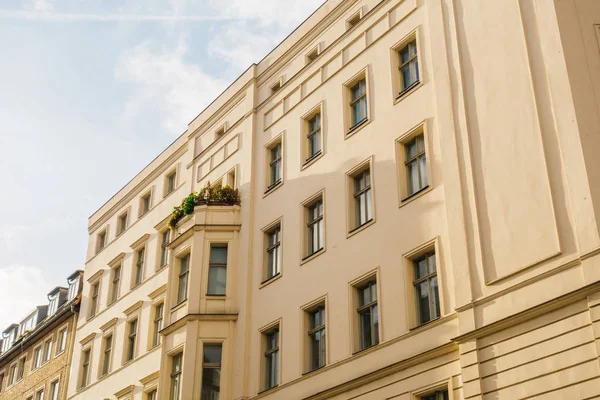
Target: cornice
(96, 276)
(124, 391)
(235, 100)
(161, 290)
(87, 339)
(133, 308)
(197, 317)
(149, 378)
(138, 243)
(109, 324)
(113, 263)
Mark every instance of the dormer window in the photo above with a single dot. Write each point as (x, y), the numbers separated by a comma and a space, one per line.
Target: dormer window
(53, 306)
(73, 287)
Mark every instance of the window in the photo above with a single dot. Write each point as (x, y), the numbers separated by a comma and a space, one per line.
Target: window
(409, 66)
(1, 382)
(314, 136)
(275, 165)
(85, 368)
(145, 202)
(53, 306)
(171, 182)
(217, 270)
(415, 164)
(439, 395)
(139, 267)
(368, 315)
(211, 372)
(358, 103)
(37, 358)
(271, 358)
(184, 267)
(315, 226)
(47, 350)
(363, 199)
(175, 376)
(219, 133)
(354, 19)
(122, 225)
(74, 286)
(21, 369)
(316, 338)
(54, 390)
(131, 338)
(164, 247)
(274, 252)
(313, 54)
(152, 395)
(158, 320)
(13, 373)
(426, 288)
(106, 356)
(62, 341)
(94, 299)
(276, 86)
(39, 395)
(101, 241)
(115, 283)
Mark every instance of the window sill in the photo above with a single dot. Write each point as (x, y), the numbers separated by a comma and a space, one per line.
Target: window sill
(312, 256)
(415, 195)
(357, 127)
(425, 325)
(313, 370)
(218, 296)
(266, 390)
(270, 280)
(360, 228)
(59, 354)
(311, 160)
(179, 305)
(403, 94)
(366, 349)
(273, 187)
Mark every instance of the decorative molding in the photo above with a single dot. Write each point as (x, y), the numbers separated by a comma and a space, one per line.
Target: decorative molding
(125, 391)
(96, 275)
(197, 317)
(109, 324)
(158, 292)
(149, 378)
(133, 308)
(87, 339)
(138, 243)
(113, 263)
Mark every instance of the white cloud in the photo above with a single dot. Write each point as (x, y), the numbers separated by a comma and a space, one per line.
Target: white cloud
(23, 288)
(43, 5)
(165, 81)
(47, 14)
(286, 14)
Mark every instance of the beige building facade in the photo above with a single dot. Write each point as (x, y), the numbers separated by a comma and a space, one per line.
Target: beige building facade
(36, 353)
(418, 218)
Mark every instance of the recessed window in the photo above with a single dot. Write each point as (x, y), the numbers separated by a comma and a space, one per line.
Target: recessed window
(47, 351)
(409, 66)
(158, 323)
(425, 283)
(316, 337)
(62, 341)
(145, 203)
(362, 198)
(107, 354)
(115, 283)
(138, 270)
(312, 55)
(271, 358)
(182, 281)
(358, 103)
(439, 395)
(368, 315)
(175, 386)
(94, 293)
(275, 165)
(165, 238)
(37, 358)
(211, 371)
(1, 382)
(12, 374)
(273, 236)
(276, 86)
(220, 132)
(354, 19)
(152, 395)
(313, 133)
(39, 395)
(415, 164)
(101, 240)
(170, 182)
(123, 221)
(217, 270)
(315, 226)
(131, 340)
(85, 368)
(54, 390)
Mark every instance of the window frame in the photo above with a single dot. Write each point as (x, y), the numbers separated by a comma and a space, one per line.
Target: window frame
(276, 225)
(47, 349)
(157, 323)
(54, 389)
(115, 282)
(399, 92)
(123, 222)
(142, 210)
(404, 197)
(170, 177)
(183, 276)
(163, 249)
(308, 223)
(267, 352)
(217, 264)
(59, 340)
(269, 146)
(316, 112)
(139, 266)
(206, 365)
(129, 335)
(307, 310)
(351, 221)
(350, 128)
(354, 19)
(85, 369)
(106, 364)
(312, 54)
(354, 301)
(101, 239)
(36, 357)
(94, 298)
(175, 374)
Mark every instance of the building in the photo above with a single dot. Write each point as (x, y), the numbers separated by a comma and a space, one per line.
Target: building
(35, 354)
(419, 219)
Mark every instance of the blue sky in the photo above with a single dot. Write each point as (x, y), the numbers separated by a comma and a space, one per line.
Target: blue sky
(90, 92)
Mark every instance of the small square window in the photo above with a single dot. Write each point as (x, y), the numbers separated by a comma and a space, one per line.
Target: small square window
(145, 203)
(101, 240)
(170, 182)
(276, 86)
(439, 395)
(123, 221)
(313, 54)
(354, 19)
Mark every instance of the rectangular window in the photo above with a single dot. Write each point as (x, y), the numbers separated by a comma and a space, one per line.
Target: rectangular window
(21, 371)
(274, 252)
(52, 307)
(85, 368)
(184, 267)
(217, 270)
(175, 376)
(107, 356)
(39, 395)
(271, 358)
(171, 182)
(164, 247)
(368, 315)
(101, 241)
(47, 350)
(152, 395)
(313, 54)
(363, 200)
(158, 320)
(12, 377)
(123, 219)
(354, 19)
(358, 103)
(275, 165)
(62, 341)
(116, 279)
(439, 395)
(1, 382)
(54, 390)
(314, 136)
(211, 372)
(131, 338)
(139, 267)
(315, 226)
(37, 358)
(94, 299)
(145, 202)
(409, 66)
(316, 338)
(426, 288)
(416, 164)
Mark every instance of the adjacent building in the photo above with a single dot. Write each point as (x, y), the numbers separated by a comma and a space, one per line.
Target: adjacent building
(418, 218)
(36, 353)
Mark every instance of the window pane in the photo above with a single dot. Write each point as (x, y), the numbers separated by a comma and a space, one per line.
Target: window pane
(375, 325)
(217, 276)
(435, 298)
(420, 268)
(212, 354)
(365, 328)
(368, 206)
(211, 384)
(423, 167)
(218, 254)
(413, 177)
(423, 302)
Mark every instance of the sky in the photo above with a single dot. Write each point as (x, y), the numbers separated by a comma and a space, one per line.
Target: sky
(90, 93)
